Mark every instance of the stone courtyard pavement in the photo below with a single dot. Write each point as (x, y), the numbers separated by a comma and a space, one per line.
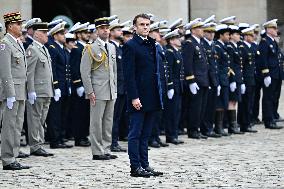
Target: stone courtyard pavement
(248, 161)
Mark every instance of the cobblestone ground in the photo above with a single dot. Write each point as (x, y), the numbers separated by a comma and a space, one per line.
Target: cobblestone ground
(248, 161)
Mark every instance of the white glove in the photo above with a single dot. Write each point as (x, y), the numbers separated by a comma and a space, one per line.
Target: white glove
(57, 94)
(80, 91)
(32, 97)
(233, 86)
(193, 88)
(218, 90)
(170, 93)
(243, 88)
(267, 81)
(10, 102)
(69, 90)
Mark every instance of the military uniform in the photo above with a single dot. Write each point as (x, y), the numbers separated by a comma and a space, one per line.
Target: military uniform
(196, 71)
(80, 107)
(173, 106)
(99, 76)
(13, 75)
(40, 82)
(245, 106)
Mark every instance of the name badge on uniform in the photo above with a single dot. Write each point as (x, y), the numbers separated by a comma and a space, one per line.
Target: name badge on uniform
(197, 48)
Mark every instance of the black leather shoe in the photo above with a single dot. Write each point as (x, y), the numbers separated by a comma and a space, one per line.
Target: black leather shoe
(41, 152)
(117, 149)
(83, 143)
(174, 141)
(22, 155)
(162, 144)
(101, 157)
(194, 135)
(140, 172)
(154, 144)
(111, 156)
(15, 166)
(249, 130)
(235, 131)
(151, 170)
(212, 135)
(223, 133)
(63, 145)
(273, 126)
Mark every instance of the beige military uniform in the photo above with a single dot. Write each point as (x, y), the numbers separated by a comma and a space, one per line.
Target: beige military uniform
(98, 72)
(13, 75)
(40, 81)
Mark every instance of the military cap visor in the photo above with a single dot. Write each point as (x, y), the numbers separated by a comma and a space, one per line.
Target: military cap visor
(40, 26)
(102, 22)
(13, 18)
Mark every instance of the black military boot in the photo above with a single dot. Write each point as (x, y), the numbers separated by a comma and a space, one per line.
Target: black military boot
(233, 128)
(219, 123)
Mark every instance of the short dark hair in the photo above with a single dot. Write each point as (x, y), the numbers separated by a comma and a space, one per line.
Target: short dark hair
(143, 15)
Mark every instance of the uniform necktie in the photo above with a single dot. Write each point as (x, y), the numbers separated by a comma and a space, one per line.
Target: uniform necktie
(106, 48)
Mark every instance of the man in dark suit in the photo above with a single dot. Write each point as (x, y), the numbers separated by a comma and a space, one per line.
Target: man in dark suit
(58, 110)
(196, 76)
(119, 106)
(267, 56)
(80, 107)
(144, 95)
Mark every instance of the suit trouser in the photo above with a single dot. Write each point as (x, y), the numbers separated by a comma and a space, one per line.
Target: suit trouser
(209, 117)
(245, 108)
(80, 117)
(11, 131)
(197, 106)
(118, 114)
(101, 120)
(173, 115)
(57, 119)
(276, 100)
(36, 116)
(269, 101)
(140, 127)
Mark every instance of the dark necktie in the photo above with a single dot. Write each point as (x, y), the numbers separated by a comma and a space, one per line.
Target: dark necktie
(44, 50)
(106, 48)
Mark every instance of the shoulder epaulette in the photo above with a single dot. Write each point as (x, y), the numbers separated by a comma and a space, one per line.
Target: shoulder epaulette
(229, 46)
(188, 40)
(218, 46)
(52, 46)
(241, 46)
(263, 39)
(170, 50)
(75, 47)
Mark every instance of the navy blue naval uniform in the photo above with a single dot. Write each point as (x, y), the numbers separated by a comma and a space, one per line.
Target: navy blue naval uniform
(208, 121)
(165, 79)
(268, 60)
(246, 105)
(29, 41)
(226, 75)
(173, 106)
(80, 107)
(58, 111)
(236, 66)
(196, 70)
(120, 102)
(142, 81)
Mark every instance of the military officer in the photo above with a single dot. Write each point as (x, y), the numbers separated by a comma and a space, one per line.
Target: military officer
(58, 110)
(119, 107)
(80, 107)
(175, 86)
(237, 86)
(196, 76)
(40, 88)
(70, 41)
(13, 76)
(155, 140)
(99, 77)
(30, 31)
(245, 106)
(267, 56)
(225, 75)
(214, 89)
